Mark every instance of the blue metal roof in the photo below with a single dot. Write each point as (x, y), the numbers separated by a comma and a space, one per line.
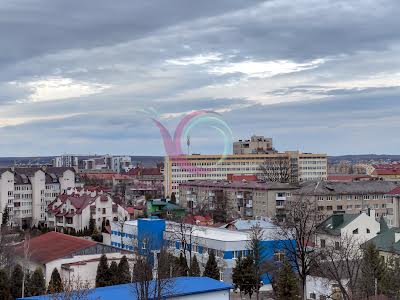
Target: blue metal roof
(182, 286)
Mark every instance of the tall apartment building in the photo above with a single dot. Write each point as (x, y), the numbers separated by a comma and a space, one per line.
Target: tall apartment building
(26, 192)
(348, 197)
(244, 199)
(121, 163)
(67, 161)
(256, 144)
(300, 166)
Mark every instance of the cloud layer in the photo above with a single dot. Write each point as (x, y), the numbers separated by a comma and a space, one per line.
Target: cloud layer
(87, 77)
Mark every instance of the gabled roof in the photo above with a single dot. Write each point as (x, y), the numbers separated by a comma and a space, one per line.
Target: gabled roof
(334, 223)
(386, 240)
(53, 245)
(394, 192)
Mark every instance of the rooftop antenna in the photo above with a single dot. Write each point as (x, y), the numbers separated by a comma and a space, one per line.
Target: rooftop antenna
(188, 144)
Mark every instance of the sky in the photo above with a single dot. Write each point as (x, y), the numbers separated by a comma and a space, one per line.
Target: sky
(89, 76)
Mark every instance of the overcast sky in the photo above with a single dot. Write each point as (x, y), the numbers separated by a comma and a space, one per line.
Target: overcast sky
(87, 76)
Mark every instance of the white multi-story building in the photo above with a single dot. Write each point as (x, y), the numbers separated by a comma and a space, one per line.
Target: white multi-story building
(65, 161)
(180, 169)
(75, 208)
(121, 163)
(26, 192)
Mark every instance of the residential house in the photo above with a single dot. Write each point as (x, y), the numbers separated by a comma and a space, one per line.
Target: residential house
(74, 210)
(73, 257)
(164, 208)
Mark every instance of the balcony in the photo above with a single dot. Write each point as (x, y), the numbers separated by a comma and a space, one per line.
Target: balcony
(280, 204)
(239, 196)
(211, 194)
(280, 198)
(249, 204)
(188, 192)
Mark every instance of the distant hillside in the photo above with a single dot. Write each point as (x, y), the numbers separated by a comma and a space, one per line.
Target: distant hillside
(363, 157)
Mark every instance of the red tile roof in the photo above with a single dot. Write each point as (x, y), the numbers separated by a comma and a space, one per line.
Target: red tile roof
(347, 177)
(394, 171)
(395, 191)
(241, 177)
(53, 245)
(144, 171)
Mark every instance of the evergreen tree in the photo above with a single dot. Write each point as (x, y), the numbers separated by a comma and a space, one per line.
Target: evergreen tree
(92, 227)
(390, 283)
(182, 266)
(16, 282)
(4, 285)
(372, 270)
(194, 267)
(123, 271)
(211, 269)
(114, 275)
(6, 217)
(238, 275)
(37, 284)
(250, 277)
(55, 283)
(172, 198)
(103, 272)
(286, 284)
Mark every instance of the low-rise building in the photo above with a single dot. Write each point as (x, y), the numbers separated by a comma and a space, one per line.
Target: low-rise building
(348, 197)
(256, 144)
(164, 208)
(244, 199)
(227, 245)
(358, 228)
(73, 257)
(73, 210)
(180, 288)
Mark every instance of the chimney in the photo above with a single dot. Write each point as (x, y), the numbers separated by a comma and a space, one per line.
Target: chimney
(337, 219)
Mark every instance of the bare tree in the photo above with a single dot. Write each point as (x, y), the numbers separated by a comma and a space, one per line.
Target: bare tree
(299, 227)
(341, 263)
(152, 272)
(26, 261)
(74, 289)
(276, 169)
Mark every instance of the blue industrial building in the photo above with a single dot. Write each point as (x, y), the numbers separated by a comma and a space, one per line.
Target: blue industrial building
(226, 244)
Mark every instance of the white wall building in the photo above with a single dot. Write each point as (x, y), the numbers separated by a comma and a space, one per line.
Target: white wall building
(338, 227)
(65, 161)
(26, 192)
(121, 163)
(73, 257)
(74, 209)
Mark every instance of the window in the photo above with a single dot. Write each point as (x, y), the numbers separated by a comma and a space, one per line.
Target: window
(349, 207)
(349, 197)
(323, 243)
(279, 256)
(329, 208)
(339, 207)
(329, 198)
(320, 198)
(337, 245)
(104, 210)
(355, 231)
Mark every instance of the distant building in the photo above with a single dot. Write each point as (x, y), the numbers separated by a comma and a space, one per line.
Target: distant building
(227, 245)
(26, 192)
(348, 197)
(256, 145)
(180, 288)
(73, 257)
(244, 199)
(299, 167)
(65, 161)
(121, 163)
(74, 210)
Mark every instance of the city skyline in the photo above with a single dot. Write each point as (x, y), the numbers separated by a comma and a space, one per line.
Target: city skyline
(316, 76)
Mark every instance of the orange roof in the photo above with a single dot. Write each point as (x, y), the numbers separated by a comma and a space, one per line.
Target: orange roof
(53, 245)
(394, 171)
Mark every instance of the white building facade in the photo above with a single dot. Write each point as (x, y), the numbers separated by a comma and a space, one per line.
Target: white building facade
(26, 192)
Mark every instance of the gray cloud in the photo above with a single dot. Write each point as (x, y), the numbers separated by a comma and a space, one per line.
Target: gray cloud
(84, 77)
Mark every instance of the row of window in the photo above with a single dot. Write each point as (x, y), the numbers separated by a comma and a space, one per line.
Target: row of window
(351, 197)
(350, 207)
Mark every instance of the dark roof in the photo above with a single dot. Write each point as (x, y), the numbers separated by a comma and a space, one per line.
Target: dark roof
(386, 239)
(53, 245)
(181, 286)
(334, 223)
(345, 188)
(239, 184)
